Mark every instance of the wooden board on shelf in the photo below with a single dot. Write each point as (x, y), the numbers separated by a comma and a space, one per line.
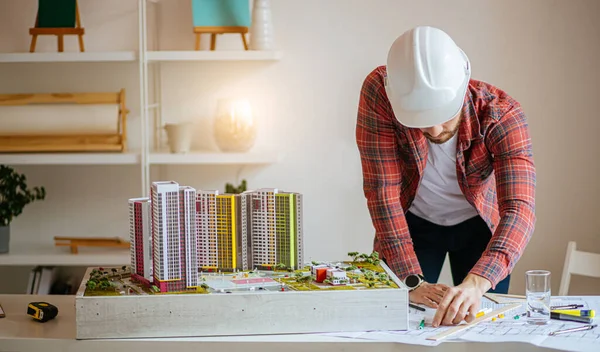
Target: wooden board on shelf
(75, 242)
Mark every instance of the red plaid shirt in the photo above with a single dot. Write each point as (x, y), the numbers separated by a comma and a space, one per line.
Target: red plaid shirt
(495, 169)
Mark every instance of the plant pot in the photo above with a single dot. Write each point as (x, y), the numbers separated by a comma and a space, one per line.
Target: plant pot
(4, 238)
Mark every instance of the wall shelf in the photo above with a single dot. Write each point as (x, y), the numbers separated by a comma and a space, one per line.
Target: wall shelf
(114, 56)
(215, 55)
(214, 158)
(70, 159)
(23, 255)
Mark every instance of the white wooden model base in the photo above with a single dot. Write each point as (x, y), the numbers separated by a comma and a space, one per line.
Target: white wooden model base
(195, 315)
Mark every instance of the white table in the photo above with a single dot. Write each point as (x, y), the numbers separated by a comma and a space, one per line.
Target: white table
(19, 332)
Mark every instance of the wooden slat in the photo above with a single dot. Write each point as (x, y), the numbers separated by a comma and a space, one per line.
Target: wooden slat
(56, 31)
(59, 98)
(59, 143)
(63, 238)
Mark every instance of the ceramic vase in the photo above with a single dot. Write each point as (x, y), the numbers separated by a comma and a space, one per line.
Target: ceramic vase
(261, 29)
(179, 137)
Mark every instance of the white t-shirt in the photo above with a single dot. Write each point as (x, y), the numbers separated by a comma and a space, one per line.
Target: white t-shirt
(439, 198)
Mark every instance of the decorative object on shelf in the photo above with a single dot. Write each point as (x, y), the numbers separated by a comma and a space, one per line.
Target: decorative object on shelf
(261, 31)
(59, 18)
(179, 136)
(14, 196)
(63, 122)
(234, 126)
(219, 17)
(75, 242)
(231, 189)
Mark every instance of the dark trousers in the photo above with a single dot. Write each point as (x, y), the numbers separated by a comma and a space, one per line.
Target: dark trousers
(465, 242)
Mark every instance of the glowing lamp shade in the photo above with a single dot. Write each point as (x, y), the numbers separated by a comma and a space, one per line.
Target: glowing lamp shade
(234, 125)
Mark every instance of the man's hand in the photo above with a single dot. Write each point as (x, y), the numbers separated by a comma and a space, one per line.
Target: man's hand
(428, 294)
(460, 300)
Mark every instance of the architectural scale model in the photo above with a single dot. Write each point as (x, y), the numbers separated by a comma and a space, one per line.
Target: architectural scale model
(180, 232)
(205, 263)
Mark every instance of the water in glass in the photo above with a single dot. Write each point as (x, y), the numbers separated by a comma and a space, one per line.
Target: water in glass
(538, 307)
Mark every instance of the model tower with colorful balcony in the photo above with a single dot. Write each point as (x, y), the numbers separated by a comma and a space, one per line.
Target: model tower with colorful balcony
(188, 230)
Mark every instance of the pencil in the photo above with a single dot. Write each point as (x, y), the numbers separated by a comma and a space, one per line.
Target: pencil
(416, 307)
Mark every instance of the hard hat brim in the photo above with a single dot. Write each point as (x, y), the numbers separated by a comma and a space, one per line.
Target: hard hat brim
(432, 117)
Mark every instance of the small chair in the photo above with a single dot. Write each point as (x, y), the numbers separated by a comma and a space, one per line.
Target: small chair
(578, 263)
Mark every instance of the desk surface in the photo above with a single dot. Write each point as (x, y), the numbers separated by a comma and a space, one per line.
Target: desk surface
(18, 332)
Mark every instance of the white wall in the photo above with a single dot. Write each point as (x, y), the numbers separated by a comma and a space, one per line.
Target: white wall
(542, 52)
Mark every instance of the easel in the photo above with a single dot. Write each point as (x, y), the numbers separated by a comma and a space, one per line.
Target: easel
(59, 32)
(213, 31)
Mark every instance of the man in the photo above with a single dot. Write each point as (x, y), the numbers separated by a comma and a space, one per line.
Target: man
(448, 168)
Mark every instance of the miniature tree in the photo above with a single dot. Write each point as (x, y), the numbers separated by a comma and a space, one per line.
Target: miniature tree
(91, 284)
(229, 188)
(354, 255)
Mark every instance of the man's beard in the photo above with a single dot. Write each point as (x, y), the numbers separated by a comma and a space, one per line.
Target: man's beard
(445, 135)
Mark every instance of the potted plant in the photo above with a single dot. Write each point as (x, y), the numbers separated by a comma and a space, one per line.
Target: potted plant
(14, 196)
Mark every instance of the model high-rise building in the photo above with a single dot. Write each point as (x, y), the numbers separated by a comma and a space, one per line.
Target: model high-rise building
(206, 223)
(167, 241)
(189, 235)
(140, 240)
(180, 231)
(276, 228)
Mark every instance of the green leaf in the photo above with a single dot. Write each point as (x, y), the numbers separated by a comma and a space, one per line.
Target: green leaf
(15, 195)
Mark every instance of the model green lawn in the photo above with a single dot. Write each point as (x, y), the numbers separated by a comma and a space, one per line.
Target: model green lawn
(362, 272)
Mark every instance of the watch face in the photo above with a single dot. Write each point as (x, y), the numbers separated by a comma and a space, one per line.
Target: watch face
(412, 281)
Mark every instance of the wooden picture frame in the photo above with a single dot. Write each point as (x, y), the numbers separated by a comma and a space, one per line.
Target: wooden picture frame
(59, 18)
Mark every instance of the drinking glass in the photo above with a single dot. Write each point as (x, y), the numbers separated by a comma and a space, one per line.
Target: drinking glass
(537, 289)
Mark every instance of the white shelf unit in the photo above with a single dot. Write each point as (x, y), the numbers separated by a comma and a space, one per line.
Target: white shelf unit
(144, 157)
(49, 255)
(216, 55)
(256, 158)
(117, 56)
(71, 159)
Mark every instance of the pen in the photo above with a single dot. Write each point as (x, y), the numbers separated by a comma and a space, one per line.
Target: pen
(567, 317)
(581, 328)
(568, 306)
(416, 307)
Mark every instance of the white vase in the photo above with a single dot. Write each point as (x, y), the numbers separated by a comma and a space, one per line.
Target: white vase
(261, 29)
(179, 136)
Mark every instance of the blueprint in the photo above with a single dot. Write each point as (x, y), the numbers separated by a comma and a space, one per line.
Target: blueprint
(506, 329)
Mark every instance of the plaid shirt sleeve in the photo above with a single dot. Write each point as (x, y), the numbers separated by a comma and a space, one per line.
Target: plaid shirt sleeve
(510, 144)
(380, 155)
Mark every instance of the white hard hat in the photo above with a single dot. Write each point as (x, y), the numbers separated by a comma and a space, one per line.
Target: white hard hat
(427, 77)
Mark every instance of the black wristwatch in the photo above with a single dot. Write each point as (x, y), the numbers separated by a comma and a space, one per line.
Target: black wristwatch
(413, 281)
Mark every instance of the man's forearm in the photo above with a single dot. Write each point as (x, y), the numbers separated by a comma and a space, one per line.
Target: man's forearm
(480, 282)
